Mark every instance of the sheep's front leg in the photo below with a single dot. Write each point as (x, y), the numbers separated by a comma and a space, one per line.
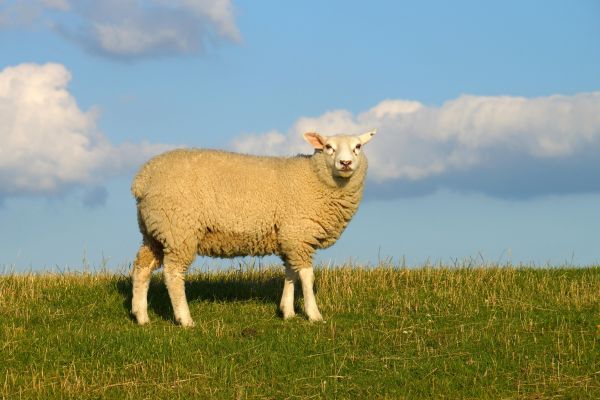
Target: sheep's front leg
(287, 298)
(307, 278)
(298, 264)
(174, 279)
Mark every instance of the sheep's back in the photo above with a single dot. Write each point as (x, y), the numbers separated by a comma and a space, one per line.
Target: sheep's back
(230, 200)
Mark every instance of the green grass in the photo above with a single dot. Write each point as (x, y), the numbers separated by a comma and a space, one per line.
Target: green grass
(390, 333)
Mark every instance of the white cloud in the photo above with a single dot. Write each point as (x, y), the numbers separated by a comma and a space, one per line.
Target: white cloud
(220, 12)
(62, 5)
(48, 144)
(19, 13)
(131, 28)
(128, 39)
(416, 142)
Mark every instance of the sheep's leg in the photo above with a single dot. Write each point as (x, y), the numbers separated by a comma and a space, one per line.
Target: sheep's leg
(287, 298)
(175, 268)
(298, 260)
(146, 261)
(307, 277)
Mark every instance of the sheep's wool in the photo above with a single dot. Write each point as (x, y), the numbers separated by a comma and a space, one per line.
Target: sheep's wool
(221, 204)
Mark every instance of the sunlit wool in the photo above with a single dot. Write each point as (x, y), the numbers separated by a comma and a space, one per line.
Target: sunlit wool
(223, 204)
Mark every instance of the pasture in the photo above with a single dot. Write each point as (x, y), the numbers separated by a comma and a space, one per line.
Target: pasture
(493, 332)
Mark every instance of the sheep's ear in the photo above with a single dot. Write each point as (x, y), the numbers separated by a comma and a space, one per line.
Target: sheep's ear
(316, 140)
(365, 137)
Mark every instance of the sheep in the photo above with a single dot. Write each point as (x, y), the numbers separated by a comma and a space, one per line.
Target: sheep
(223, 204)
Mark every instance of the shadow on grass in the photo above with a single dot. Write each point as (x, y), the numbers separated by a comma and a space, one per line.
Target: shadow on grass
(207, 288)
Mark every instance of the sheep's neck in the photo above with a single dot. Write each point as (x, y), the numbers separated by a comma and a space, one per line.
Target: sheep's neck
(342, 197)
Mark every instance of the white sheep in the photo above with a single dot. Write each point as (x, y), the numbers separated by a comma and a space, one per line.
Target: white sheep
(221, 204)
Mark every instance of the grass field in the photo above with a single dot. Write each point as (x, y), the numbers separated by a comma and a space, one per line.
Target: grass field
(390, 333)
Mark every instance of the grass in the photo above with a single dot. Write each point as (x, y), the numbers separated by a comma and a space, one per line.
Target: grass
(390, 333)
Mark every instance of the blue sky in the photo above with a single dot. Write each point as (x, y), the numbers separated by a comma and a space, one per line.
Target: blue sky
(488, 118)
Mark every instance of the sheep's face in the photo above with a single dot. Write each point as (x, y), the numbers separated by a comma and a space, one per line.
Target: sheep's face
(341, 152)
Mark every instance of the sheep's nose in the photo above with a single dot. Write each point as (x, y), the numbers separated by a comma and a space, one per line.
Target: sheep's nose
(346, 163)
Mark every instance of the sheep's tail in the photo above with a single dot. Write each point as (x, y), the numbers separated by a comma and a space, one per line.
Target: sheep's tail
(140, 182)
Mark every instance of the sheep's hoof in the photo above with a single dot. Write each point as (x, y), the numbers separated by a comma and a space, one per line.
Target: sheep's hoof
(288, 315)
(315, 318)
(141, 319)
(187, 323)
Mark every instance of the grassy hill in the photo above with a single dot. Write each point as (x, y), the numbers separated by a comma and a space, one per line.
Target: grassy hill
(390, 333)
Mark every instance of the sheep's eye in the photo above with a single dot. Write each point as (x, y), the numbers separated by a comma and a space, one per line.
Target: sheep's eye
(358, 146)
(328, 147)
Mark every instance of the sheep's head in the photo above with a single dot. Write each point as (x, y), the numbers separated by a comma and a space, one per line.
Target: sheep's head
(342, 152)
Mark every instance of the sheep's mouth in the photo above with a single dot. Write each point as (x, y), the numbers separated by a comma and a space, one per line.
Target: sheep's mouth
(345, 172)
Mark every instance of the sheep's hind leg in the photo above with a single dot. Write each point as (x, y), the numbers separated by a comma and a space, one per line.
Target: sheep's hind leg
(175, 267)
(307, 277)
(147, 260)
(287, 298)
